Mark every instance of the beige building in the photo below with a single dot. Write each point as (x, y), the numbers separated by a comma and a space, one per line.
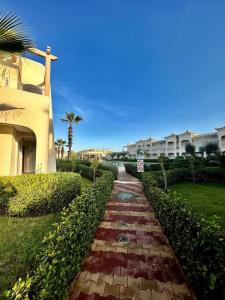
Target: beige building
(173, 145)
(26, 123)
(93, 154)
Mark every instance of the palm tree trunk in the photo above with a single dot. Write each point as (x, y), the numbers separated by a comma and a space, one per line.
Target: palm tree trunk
(62, 152)
(70, 141)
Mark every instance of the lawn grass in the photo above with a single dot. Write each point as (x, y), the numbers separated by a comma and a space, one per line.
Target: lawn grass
(85, 183)
(20, 242)
(208, 199)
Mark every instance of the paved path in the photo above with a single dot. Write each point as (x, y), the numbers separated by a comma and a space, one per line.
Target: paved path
(130, 257)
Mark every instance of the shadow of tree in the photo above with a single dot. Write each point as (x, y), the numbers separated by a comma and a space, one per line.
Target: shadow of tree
(6, 192)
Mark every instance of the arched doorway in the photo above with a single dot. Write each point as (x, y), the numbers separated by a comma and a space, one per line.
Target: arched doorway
(18, 150)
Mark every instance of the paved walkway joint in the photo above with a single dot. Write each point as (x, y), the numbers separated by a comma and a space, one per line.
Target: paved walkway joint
(130, 257)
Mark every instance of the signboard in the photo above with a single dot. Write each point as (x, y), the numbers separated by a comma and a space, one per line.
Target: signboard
(140, 165)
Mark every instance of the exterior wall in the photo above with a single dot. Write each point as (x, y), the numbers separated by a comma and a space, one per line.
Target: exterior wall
(131, 149)
(174, 145)
(30, 110)
(6, 138)
(221, 138)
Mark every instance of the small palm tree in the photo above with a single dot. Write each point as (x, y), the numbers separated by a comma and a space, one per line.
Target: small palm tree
(139, 151)
(190, 149)
(114, 154)
(161, 160)
(71, 119)
(13, 40)
(201, 150)
(211, 148)
(60, 147)
(57, 148)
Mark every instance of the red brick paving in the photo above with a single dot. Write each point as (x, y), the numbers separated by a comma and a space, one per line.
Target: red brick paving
(131, 219)
(143, 267)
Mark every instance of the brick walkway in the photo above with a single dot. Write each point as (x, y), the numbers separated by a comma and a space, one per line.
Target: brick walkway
(130, 257)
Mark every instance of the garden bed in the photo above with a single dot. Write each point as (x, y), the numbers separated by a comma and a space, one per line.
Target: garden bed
(66, 246)
(198, 243)
(21, 237)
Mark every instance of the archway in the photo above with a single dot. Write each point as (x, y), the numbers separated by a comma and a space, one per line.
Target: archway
(18, 150)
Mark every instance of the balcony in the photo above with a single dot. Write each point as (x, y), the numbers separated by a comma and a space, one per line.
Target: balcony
(171, 148)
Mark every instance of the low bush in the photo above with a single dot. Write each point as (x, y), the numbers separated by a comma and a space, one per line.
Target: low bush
(131, 168)
(88, 172)
(109, 167)
(38, 194)
(210, 174)
(63, 165)
(66, 247)
(199, 245)
(203, 175)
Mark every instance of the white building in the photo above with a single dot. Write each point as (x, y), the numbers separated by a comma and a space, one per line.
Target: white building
(173, 145)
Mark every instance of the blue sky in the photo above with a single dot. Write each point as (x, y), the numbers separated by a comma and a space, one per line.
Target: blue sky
(132, 68)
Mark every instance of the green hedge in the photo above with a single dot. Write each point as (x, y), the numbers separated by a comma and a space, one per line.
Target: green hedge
(109, 167)
(88, 172)
(203, 175)
(70, 166)
(199, 245)
(38, 194)
(211, 174)
(66, 247)
(131, 168)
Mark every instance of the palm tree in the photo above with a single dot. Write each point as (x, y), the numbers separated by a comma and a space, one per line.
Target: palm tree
(114, 154)
(57, 147)
(60, 147)
(139, 151)
(13, 40)
(201, 150)
(211, 148)
(190, 149)
(70, 119)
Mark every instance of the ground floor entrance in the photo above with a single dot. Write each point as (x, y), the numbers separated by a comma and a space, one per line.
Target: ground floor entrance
(17, 150)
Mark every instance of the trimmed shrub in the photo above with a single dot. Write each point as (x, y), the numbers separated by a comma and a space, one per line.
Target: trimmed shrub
(207, 175)
(70, 166)
(38, 194)
(210, 174)
(131, 168)
(65, 248)
(109, 167)
(199, 245)
(88, 172)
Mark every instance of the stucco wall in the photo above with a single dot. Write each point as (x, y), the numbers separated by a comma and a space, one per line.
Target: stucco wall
(32, 111)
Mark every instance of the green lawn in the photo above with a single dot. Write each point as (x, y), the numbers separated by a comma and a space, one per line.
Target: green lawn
(207, 199)
(85, 183)
(20, 241)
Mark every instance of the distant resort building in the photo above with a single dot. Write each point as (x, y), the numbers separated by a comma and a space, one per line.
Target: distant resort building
(93, 154)
(173, 145)
(26, 125)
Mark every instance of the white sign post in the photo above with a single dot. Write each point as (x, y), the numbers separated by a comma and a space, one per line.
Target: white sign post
(140, 165)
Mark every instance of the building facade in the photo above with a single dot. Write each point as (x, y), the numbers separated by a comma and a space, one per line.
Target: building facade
(93, 154)
(173, 145)
(26, 121)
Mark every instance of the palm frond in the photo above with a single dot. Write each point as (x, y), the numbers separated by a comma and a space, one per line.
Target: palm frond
(78, 119)
(64, 120)
(13, 38)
